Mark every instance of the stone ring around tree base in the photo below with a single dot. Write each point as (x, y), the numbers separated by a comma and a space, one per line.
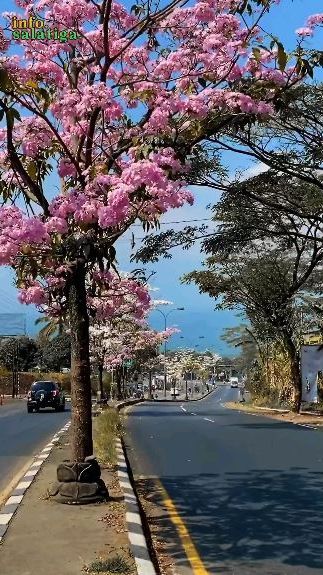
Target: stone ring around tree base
(79, 483)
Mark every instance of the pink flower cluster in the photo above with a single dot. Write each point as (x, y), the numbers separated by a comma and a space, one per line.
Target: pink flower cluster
(17, 232)
(77, 101)
(311, 23)
(111, 200)
(120, 296)
(116, 341)
(34, 294)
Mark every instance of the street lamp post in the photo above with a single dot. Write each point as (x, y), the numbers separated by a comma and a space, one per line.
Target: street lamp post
(165, 316)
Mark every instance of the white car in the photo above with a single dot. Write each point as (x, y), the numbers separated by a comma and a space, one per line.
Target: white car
(174, 391)
(234, 382)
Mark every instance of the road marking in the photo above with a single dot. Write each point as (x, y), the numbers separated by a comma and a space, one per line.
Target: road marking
(188, 545)
(27, 475)
(6, 492)
(207, 419)
(193, 413)
(183, 408)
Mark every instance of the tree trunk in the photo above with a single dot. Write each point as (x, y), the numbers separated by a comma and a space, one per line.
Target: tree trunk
(150, 395)
(82, 444)
(118, 382)
(100, 370)
(295, 373)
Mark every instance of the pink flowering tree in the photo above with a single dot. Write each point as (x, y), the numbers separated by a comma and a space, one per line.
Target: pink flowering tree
(121, 332)
(114, 108)
(131, 341)
(125, 301)
(116, 341)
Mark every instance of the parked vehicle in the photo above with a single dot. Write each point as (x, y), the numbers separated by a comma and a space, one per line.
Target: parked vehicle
(234, 382)
(45, 394)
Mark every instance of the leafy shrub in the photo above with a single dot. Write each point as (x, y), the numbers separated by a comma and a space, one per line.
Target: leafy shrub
(111, 566)
(107, 428)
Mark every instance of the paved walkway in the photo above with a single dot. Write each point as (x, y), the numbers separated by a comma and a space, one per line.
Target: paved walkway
(47, 538)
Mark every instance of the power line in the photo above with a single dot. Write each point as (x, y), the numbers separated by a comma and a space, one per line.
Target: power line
(179, 222)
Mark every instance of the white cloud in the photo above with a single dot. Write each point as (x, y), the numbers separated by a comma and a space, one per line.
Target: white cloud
(255, 170)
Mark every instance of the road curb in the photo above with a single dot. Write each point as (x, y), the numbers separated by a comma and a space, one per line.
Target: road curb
(12, 504)
(128, 402)
(261, 414)
(136, 534)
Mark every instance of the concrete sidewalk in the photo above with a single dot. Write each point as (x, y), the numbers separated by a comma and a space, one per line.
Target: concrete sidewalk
(47, 538)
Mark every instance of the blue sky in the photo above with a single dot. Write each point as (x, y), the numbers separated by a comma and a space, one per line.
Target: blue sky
(199, 318)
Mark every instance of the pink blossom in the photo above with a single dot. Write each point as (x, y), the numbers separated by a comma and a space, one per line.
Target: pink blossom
(58, 225)
(65, 168)
(305, 31)
(34, 294)
(315, 20)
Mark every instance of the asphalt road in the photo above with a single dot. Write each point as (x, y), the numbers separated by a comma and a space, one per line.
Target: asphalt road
(249, 489)
(22, 435)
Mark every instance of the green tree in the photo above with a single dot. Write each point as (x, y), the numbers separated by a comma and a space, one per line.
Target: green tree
(20, 352)
(265, 286)
(243, 339)
(56, 353)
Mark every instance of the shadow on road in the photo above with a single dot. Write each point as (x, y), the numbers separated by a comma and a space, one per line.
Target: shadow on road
(270, 517)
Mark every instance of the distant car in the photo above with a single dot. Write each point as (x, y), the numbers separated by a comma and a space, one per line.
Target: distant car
(174, 391)
(234, 382)
(45, 394)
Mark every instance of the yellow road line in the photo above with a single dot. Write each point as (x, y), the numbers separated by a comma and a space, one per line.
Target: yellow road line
(188, 545)
(5, 494)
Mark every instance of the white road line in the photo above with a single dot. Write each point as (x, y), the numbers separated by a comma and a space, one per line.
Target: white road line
(183, 408)
(193, 414)
(207, 419)
(24, 483)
